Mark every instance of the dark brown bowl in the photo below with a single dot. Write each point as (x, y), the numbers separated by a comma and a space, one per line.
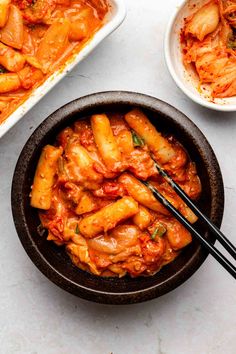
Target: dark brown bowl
(54, 262)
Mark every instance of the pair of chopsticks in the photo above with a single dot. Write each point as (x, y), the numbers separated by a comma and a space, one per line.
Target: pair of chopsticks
(219, 235)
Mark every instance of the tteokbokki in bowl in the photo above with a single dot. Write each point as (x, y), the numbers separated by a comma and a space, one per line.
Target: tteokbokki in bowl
(81, 200)
(90, 198)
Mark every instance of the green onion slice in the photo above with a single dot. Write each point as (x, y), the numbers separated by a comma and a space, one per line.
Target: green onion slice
(159, 231)
(77, 229)
(232, 39)
(137, 140)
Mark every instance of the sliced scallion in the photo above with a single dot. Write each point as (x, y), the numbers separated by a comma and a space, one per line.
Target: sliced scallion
(77, 229)
(137, 140)
(159, 231)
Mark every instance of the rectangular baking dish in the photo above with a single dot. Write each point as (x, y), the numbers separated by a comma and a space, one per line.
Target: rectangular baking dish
(113, 19)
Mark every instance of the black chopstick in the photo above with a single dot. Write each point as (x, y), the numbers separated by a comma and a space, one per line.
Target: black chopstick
(219, 235)
(212, 250)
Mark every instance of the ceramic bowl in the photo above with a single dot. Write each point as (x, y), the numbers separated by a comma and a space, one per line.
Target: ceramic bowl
(54, 262)
(185, 80)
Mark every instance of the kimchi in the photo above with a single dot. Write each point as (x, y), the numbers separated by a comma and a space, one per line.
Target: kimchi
(37, 37)
(91, 200)
(208, 40)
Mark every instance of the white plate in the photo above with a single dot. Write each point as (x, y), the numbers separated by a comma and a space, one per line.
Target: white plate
(186, 81)
(113, 20)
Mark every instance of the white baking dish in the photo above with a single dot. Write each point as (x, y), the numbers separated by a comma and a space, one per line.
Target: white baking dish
(113, 20)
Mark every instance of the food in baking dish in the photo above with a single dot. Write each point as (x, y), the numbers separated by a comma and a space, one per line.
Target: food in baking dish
(37, 37)
(208, 40)
(88, 189)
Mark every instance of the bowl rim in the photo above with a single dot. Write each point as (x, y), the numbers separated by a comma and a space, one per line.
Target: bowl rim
(169, 63)
(53, 121)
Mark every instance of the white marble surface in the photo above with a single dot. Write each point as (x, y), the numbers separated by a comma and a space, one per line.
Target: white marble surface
(197, 318)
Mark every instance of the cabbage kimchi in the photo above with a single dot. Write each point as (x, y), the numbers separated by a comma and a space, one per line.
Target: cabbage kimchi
(208, 40)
